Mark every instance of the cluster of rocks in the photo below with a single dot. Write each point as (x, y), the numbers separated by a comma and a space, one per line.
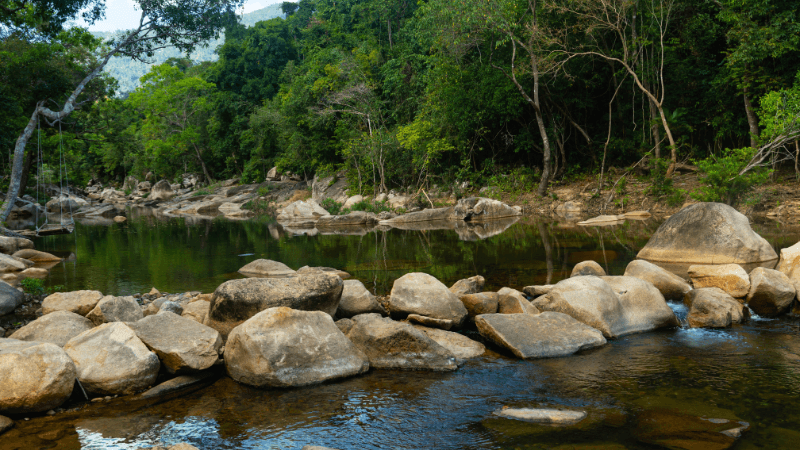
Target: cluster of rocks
(18, 261)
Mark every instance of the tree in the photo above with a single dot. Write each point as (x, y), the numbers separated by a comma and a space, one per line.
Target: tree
(179, 23)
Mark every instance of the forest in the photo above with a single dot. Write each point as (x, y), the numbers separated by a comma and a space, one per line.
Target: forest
(405, 93)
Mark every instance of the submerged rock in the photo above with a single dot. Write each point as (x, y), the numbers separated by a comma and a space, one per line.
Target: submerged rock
(5, 424)
(420, 293)
(714, 308)
(282, 347)
(671, 286)
(675, 430)
(115, 309)
(771, 292)
(182, 344)
(544, 416)
(546, 335)
(587, 268)
(356, 299)
(707, 233)
(266, 268)
(34, 376)
(55, 328)
(79, 302)
(731, 278)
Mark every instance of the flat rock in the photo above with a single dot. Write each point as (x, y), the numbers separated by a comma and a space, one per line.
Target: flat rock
(283, 347)
(353, 218)
(671, 286)
(79, 302)
(427, 215)
(472, 285)
(482, 303)
(301, 212)
(238, 300)
(420, 293)
(478, 209)
(771, 292)
(266, 268)
(460, 346)
(115, 309)
(34, 272)
(182, 344)
(603, 220)
(36, 256)
(10, 264)
(356, 299)
(34, 376)
(442, 324)
(340, 273)
(587, 268)
(10, 298)
(179, 384)
(544, 416)
(714, 308)
(545, 335)
(112, 360)
(589, 300)
(731, 278)
(54, 328)
(707, 233)
(398, 345)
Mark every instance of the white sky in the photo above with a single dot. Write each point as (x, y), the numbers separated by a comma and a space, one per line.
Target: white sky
(121, 14)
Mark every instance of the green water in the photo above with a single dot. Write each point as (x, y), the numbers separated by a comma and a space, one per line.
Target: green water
(749, 373)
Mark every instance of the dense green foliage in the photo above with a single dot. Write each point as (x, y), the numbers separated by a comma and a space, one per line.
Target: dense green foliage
(404, 93)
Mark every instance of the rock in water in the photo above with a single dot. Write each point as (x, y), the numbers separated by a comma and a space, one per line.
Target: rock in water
(356, 299)
(589, 300)
(477, 209)
(34, 376)
(713, 308)
(301, 213)
(643, 306)
(545, 335)
(112, 360)
(545, 416)
(55, 328)
(731, 278)
(420, 293)
(472, 285)
(36, 256)
(459, 345)
(10, 298)
(10, 264)
(238, 300)
(671, 286)
(707, 233)
(115, 309)
(587, 268)
(283, 347)
(669, 429)
(266, 268)
(10, 245)
(398, 345)
(79, 302)
(771, 292)
(182, 344)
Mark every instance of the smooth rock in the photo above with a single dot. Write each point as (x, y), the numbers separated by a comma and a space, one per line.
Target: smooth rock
(671, 286)
(460, 346)
(350, 219)
(603, 220)
(36, 256)
(10, 245)
(162, 191)
(54, 328)
(643, 306)
(154, 307)
(352, 201)
(536, 291)
(283, 347)
(544, 416)
(197, 311)
(472, 285)
(301, 212)
(674, 430)
(238, 300)
(79, 302)
(731, 278)
(10, 298)
(5, 424)
(356, 299)
(34, 272)
(771, 292)
(589, 300)
(420, 293)
(180, 384)
(587, 268)
(482, 303)
(9, 264)
(512, 301)
(182, 344)
(707, 233)
(112, 360)
(545, 335)
(398, 345)
(340, 273)
(266, 268)
(120, 219)
(115, 309)
(427, 215)
(477, 209)
(442, 324)
(713, 308)
(34, 376)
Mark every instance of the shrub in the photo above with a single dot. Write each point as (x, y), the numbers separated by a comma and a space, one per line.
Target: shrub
(332, 206)
(33, 286)
(722, 180)
(368, 206)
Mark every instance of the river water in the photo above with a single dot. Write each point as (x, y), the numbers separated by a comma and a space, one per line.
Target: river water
(748, 373)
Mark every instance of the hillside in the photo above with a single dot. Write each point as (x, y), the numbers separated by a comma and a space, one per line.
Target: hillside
(128, 72)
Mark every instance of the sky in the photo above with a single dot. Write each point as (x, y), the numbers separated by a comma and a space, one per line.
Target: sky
(121, 14)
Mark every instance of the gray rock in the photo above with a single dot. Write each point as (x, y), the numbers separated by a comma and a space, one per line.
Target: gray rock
(643, 306)
(170, 307)
(420, 293)
(713, 308)
(477, 209)
(235, 301)
(398, 345)
(115, 309)
(283, 347)
(306, 270)
(589, 300)
(301, 213)
(587, 268)
(54, 328)
(671, 286)
(442, 324)
(356, 299)
(482, 303)
(731, 278)
(771, 292)
(10, 298)
(162, 191)
(65, 203)
(536, 291)
(111, 360)
(353, 218)
(460, 346)
(154, 307)
(34, 376)
(179, 384)
(427, 215)
(79, 302)
(544, 416)
(472, 285)
(333, 187)
(266, 268)
(182, 344)
(5, 424)
(9, 245)
(545, 335)
(10, 264)
(707, 233)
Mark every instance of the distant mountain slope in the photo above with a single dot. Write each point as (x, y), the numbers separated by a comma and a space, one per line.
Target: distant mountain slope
(128, 72)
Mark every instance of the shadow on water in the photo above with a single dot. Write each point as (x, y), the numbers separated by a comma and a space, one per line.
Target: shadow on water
(749, 372)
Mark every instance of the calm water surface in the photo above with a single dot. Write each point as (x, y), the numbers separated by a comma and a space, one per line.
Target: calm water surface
(749, 373)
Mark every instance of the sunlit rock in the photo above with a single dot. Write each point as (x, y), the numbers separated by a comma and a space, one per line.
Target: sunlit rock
(34, 376)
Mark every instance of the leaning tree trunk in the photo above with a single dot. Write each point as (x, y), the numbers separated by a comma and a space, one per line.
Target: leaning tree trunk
(26, 170)
(202, 164)
(752, 120)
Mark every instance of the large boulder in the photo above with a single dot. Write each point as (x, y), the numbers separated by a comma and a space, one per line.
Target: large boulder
(301, 213)
(55, 328)
(771, 292)
(283, 347)
(643, 306)
(398, 345)
(115, 309)
(671, 286)
(731, 278)
(356, 299)
(10, 298)
(65, 203)
(713, 308)
(235, 301)
(544, 335)
(466, 286)
(111, 360)
(9, 245)
(79, 302)
(36, 256)
(266, 268)
(34, 376)
(333, 187)
(707, 233)
(587, 268)
(162, 191)
(478, 209)
(460, 346)
(182, 344)
(420, 293)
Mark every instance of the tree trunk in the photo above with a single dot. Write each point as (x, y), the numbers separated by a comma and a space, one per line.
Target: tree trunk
(389, 25)
(16, 169)
(752, 120)
(202, 164)
(26, 170)
(656, 128)
(796, 156)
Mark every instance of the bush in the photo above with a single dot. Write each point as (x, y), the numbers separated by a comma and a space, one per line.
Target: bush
(722, 180)
(661, 186)
(332, 206)
(33, 286)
